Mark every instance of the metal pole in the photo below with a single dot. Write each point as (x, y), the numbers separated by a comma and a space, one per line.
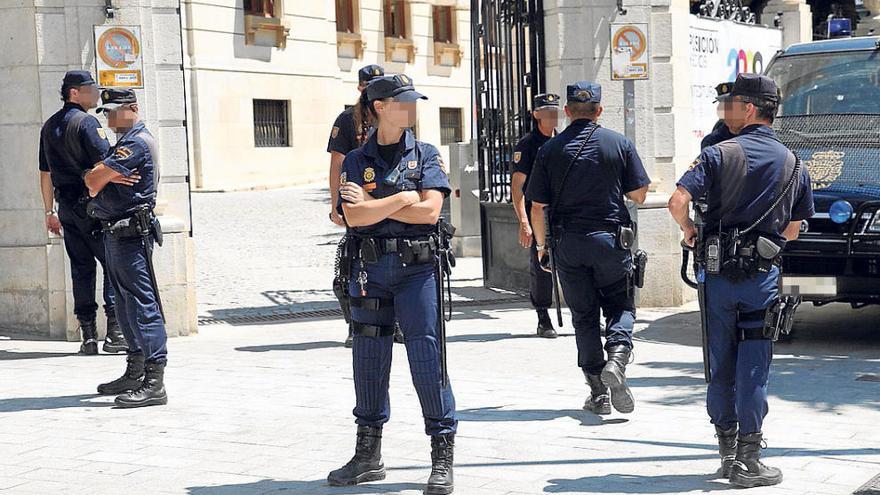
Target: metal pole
(629, 109)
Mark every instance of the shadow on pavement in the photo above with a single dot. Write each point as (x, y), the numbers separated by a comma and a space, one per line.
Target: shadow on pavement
(15, 356)
(305, 346)
(19, 404)
(496, 413)
(832, 362)
(630, 483)
(302, 487)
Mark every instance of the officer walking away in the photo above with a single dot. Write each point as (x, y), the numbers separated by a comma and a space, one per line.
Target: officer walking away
(582, 175)
(70, 142)
(755, 194)
(720, 132)
(124, 187)
(545, 111)
(391, 195)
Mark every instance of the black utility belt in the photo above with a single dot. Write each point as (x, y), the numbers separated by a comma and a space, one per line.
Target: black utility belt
(737, 256)
(412, 251)
(625, 235)
(142, 223)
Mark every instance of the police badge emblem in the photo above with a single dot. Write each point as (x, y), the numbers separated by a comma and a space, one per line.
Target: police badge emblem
(825, 167)
(101, 133)
(334, 132)
(517, 156)
(343, 178)
(412, 164)
(369, 175)
(122, 153)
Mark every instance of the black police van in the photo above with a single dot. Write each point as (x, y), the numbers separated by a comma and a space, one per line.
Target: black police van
(830, 117)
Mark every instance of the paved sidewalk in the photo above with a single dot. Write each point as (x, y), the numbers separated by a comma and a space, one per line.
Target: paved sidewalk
(266, 409)
(260, 401)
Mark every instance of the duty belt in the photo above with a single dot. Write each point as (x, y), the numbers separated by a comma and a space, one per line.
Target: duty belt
(125, 227)
(411, 250)
(582, 227)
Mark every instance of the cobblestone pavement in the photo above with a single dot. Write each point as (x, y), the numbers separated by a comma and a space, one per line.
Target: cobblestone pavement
(265, 408)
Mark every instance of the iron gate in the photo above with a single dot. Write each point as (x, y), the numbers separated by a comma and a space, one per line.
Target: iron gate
(508, 58)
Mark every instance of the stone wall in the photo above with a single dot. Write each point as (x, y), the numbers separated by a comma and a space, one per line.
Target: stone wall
(42, 40)
(226, 74)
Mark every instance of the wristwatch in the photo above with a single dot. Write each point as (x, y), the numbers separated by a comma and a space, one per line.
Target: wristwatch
(51, 212)
(540, 247)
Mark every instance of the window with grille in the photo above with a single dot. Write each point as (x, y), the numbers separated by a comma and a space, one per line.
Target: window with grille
(444, 19)
(395, 19)
(450, 126)
(345, 16)
(262, 8)
(271, 124)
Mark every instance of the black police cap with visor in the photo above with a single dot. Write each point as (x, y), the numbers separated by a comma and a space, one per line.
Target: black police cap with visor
(750, 87)
(399, 86)
(112, 98)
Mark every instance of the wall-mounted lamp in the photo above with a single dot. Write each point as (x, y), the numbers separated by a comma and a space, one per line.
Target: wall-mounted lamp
(621, 10)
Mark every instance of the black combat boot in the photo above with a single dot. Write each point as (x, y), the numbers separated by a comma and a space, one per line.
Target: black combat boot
(727, 448)
(748, 471)
(366, 465)
(89, 331)
(130, 380)
(614, 376)
(114, 341)
(398, 334)
(441, 480)
(150, 393)
(545, 325)
(598, 402)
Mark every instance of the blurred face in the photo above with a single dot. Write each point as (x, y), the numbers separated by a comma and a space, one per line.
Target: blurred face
(123, 117)
(738, 114)
(547, 117)
(86, 96)
(396, 114)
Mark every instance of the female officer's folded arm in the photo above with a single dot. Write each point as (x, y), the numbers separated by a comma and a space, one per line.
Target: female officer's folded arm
(360, 210)
(434, 187)
(425, 212)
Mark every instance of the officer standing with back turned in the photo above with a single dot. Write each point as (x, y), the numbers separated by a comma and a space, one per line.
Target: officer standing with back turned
(72, 141)
(545, 111)
(582, 175)
(126, 215)
(753, 194)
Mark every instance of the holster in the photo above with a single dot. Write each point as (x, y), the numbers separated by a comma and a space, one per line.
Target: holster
(340, 290)
(779, 318)
(640, 264)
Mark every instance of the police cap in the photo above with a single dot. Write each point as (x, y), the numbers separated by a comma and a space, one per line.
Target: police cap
(754, 86)
(369, 72)
(77, 78)
(399, 86)
(111, 99)
(584, 92)
(545, 100)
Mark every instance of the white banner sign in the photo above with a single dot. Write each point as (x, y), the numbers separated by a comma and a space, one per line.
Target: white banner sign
(719, 50)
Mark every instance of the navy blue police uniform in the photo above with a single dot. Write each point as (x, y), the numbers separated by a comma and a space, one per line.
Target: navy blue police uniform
(72, 141)
(117, 206)
(390, 284)
(740, 179)
(344, 136)
(594, 271)
(524, 154)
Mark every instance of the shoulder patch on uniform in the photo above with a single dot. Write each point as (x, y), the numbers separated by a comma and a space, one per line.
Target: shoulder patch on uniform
(123, 153)
(696, 163)
(101, 133)
(517, 156)
(334, 132)
(412, 164)
(369, 175)
(343, 177)
(442, 165)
